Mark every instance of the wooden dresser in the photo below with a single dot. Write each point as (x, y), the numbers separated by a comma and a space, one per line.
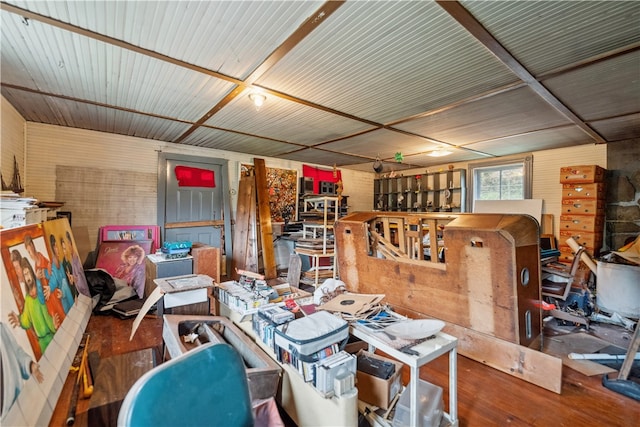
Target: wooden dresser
(582, 214)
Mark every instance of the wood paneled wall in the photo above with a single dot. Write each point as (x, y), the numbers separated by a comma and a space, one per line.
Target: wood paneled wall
(12, 141)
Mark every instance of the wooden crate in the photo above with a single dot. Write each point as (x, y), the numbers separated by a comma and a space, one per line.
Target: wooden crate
(583, 238)
(583, 191)
(567, 254)
(582, 207)
(583, 174)
(206, 260)
(591, 223)
(157, 267)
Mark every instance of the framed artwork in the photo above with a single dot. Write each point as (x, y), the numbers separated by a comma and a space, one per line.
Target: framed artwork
(132, 232)
(125, 259)
(282, 185)
(43, 292)
(547, 242)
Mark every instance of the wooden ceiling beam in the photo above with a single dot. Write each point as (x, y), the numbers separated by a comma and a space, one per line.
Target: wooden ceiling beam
(471, 24)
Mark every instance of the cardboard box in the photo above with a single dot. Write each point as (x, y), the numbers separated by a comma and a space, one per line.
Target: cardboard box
(583, 174)
(377, 391)
(287, 291)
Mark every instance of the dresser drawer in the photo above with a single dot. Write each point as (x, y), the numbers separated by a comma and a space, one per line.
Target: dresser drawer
(567, 254)
(583, 191)
(590, 223)
(589, 240)
(582, 206)
(582, 174)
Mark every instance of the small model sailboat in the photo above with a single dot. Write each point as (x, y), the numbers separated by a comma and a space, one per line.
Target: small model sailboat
(16, 184)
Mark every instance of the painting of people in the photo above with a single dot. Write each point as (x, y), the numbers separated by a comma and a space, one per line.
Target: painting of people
(40, 284)
(125, 259)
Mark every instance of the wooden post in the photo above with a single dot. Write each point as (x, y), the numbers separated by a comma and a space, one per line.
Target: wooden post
(264, 213)
(245, 244)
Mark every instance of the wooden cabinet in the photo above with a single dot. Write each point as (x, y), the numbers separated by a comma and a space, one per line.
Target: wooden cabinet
(429, 192)
(582, 215)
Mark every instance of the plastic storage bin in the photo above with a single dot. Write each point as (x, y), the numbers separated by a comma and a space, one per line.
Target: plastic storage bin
(430, 406)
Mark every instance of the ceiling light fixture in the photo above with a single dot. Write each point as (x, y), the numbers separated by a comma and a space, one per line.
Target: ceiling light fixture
(258, 99)
(441, 152)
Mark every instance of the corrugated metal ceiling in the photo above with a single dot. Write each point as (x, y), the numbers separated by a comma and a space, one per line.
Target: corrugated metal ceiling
(345, 81)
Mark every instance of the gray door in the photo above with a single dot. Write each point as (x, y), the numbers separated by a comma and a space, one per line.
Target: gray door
(193, 213)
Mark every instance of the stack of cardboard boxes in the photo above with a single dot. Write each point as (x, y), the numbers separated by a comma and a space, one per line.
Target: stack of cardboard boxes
(582, 215)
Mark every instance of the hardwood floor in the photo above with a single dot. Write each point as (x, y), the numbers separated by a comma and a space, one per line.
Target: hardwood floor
(486, 397)
(109, 337)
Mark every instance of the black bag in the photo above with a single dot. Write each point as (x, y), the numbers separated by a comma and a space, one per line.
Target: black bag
(100, 283)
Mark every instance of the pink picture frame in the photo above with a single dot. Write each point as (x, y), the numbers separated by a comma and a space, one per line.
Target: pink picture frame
(131, 232)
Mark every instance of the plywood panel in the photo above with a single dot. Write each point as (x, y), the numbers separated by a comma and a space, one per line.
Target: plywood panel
(106, 196)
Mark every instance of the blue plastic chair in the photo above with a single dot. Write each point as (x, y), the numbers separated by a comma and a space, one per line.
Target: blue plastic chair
(207, 386)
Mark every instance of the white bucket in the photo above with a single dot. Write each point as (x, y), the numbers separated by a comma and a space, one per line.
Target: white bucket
(618, 289)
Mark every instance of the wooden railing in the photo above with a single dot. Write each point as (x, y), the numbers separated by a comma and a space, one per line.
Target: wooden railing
(409, 238)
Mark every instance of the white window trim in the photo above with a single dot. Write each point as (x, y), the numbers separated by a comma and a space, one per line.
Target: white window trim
(526, 160)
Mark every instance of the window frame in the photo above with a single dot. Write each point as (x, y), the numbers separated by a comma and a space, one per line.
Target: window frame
(527, 166)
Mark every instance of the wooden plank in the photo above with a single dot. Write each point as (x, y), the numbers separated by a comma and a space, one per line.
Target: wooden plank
(546, 226)
(217, 223)
(522, 362)
(535, 367)
(245, 245)
(433, 240)
(264, 214)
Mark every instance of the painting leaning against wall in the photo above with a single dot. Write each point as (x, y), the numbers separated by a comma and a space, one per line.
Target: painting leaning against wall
(282, 185)
(41, 279)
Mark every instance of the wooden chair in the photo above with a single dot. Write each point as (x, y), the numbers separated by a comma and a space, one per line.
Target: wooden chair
(560, 287)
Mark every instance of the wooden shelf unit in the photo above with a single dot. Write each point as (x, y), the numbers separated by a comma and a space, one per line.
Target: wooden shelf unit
(443, 191)
(321, 213)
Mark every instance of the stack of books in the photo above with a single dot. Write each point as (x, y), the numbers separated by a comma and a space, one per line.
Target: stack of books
(266, 320)
(128, 308)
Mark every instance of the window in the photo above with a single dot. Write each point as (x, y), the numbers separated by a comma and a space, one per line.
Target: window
(508, 179)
